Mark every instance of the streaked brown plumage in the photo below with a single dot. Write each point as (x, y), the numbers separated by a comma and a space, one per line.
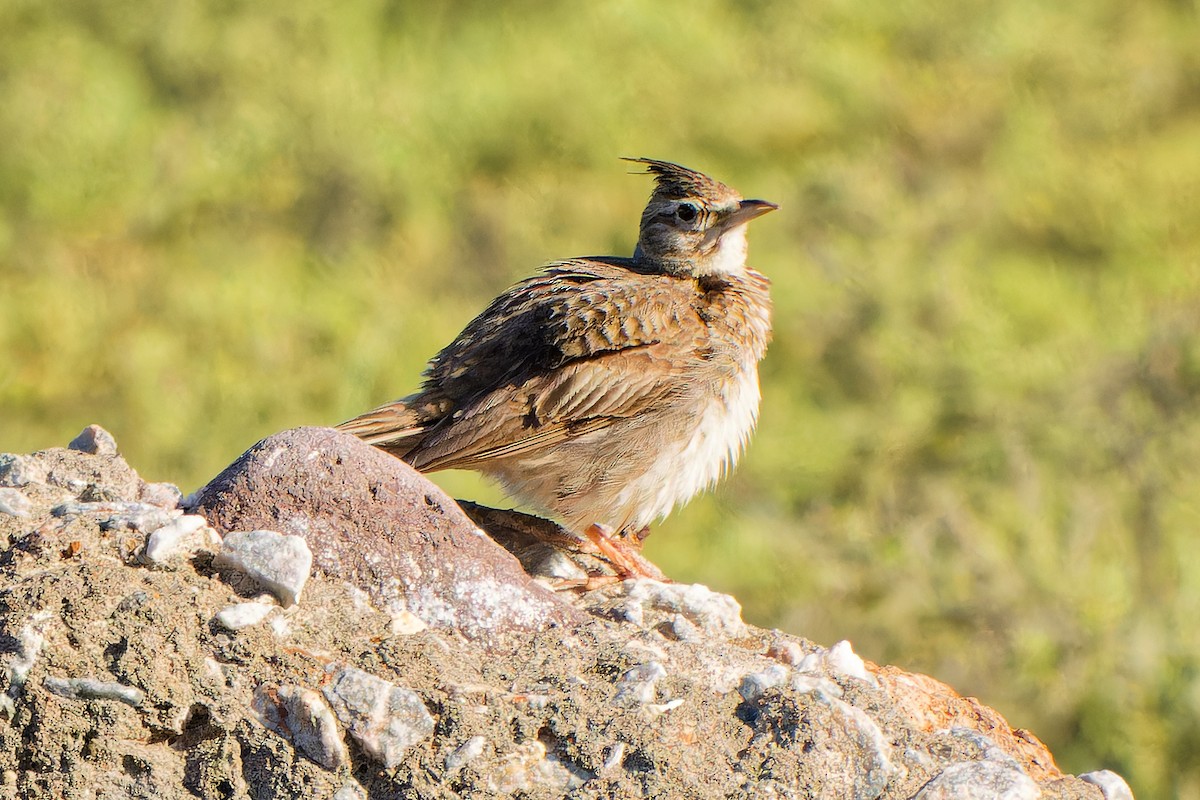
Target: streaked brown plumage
(605, 390)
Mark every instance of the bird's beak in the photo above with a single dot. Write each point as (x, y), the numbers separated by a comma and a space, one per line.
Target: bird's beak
(746, 211)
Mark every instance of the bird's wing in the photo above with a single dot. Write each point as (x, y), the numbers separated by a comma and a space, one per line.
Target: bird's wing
(578, 398)
(566, 352)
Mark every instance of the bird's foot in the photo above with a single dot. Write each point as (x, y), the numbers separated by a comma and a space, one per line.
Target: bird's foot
(624, 554)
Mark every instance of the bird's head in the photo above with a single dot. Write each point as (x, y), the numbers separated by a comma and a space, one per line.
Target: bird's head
(694, 225)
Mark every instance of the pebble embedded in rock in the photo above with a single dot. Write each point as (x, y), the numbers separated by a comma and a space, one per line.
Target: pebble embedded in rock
(278, 563)
(1112, 785)
(242, 615)
(466, 752)
(31, 639)
(806, 684)
(114, 515)
(614, 757)
(712, 612)
(637, 684)
(163, 495)
(529, 766)
(350, 791)
(14, 502)
(837, 660)
(385, 719)
(95, 441)
(843, 660)
(304, 717)
(682, 629)
(787, 652)
(754, 684)
(93, 689)
(178, 539)
(980, 780)
(17, 470)
(406, 623)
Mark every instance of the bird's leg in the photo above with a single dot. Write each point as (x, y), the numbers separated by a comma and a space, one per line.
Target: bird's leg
(636, 538)
(623, 553)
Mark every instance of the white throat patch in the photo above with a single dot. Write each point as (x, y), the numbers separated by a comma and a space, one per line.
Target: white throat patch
(730, 256)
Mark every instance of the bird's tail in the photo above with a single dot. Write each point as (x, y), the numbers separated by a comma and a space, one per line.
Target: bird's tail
(396, 427)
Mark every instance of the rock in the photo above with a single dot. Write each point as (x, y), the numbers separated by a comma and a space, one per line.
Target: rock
(384, 718)
(17, 471)
(13, 502)
(788, 652)
(163, 495)
(122, 680)
(465, 753)
(1111, 784)
(95, 441)
(841, 748)
(713, 613)
(754, 685)
(178, 539)
(530, 768)
(30, 640)
(278, 563)
(350, 791)
(119, 516)
(842, 659)
(241, 615)
(92, 689)
(980, 780)
(374, 522)
(636, 686)
(304, 717)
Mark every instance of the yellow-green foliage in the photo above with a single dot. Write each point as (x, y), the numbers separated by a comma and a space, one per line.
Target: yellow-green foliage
(979, 453)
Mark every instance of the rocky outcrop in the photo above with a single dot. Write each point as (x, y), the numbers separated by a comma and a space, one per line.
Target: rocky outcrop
(321, 621)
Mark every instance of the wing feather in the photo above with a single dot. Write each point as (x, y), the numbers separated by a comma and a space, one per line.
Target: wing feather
(565, 353)
(580, 398)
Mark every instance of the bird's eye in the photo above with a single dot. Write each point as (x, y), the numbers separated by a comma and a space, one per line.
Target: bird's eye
(686, 212)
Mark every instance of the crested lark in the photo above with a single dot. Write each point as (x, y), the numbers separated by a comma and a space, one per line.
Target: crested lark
(605, 390)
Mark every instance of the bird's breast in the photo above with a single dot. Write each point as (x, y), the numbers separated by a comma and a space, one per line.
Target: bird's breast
(716, 435)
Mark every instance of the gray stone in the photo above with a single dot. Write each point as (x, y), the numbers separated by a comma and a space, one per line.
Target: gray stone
(303, 716)
(178, 539)
(94, 689)
(163, 495)
(711, 612)
(242, 615)
(755, 684)
(118, 515)
(465, 753)
(351, 790)
(980, 780)
(529, 767)
(14, 502)
(637, 685)
(279, 564)
(30, 641)
(383, 718)
(95, 441)
(1111, 784)
(17, 470)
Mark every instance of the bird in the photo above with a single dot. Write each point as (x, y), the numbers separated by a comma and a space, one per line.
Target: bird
(605, 390)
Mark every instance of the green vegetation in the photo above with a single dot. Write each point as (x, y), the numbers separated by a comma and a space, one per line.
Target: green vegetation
(979, 454)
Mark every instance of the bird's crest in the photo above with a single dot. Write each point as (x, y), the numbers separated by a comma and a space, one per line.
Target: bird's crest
(676, 182)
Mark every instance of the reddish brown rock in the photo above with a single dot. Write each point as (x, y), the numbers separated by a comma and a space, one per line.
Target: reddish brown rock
(376, 523)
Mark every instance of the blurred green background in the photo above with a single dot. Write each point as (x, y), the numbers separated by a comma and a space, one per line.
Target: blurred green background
(979, 451)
